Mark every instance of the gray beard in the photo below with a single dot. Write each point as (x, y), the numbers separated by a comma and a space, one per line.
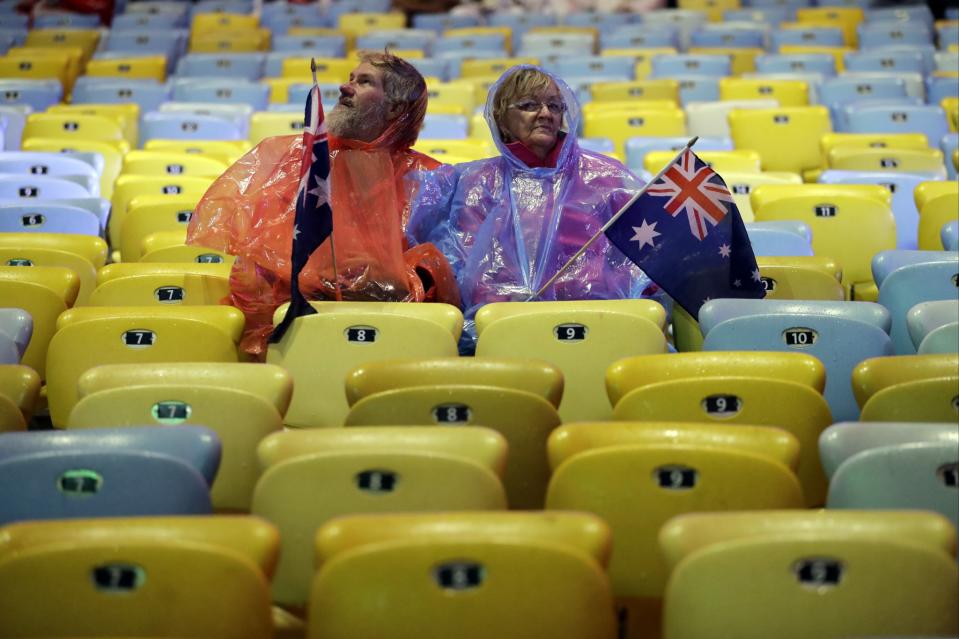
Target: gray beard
(364, 123)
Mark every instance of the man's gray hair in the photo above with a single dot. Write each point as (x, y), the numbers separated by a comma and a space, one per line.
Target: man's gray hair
(402, 83)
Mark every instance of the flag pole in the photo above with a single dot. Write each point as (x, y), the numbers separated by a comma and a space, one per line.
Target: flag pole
(336, 279)
(613, 219)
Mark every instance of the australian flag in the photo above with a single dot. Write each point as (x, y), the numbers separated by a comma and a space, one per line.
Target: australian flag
(686, 233)
(313, 222)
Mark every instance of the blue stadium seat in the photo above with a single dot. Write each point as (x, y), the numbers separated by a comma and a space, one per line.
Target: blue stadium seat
(723, 35)
(154, 22)
(415, 39)
(440, 22)
(599, 145)
(14, 118)
(812, 36)
(938, 87)
(53, 165)
(929, 120)
(685, 21)
(908, 285)
(883, 34)
(444, 126)
(905, 12)
(238, 114)
(64, 20)
(600, 68)
(779, 238)
(38, 187)
(148, 94)
(604, 22)
(684, 64)
(881, 60)
(280, 25)
(520, 23)
(771, 15)
(332, 46)
(540, 45)
(435, 67)
(631, 36)
(797, 62)
(48, 217)
(950, 235)
(468, 45)
(927, 317)
(844, 440)
(903, 204)
(107, 472)
(188, 126)
(698, 88)
(38, 94)
(159, 41)
(847, 112)
(838, 92)
(222, 90)
(946, 35)
(840, 334)
(241, 66)
(16, 328)
(638, 147)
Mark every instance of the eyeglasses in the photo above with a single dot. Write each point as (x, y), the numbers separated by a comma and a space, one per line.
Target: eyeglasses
(533, 106)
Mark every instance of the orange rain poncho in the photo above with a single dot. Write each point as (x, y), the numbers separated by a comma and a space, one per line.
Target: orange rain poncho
(249, 210)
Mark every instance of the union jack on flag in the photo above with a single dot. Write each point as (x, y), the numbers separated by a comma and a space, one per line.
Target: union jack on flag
(694, 188)
(702, 255)
(313, 222)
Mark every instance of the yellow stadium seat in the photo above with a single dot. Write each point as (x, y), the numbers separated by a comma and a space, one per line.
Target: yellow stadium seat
(85, 39)
(580, 338)
(892, 141)
(367, 470)
(266, 124)
(742, 59)
(11, 419)
(167, 240)
(524, 419)
(185, 253)
(638, 475)
(469, 575)
(811, 574)
(327, 69)
(119, 270)
(148, 214)
(126, 115)
(125, 577)
(151, 67)
(923, 400)
(45, 292)
(715, 9)
(33, 256)
(846, 18)
(112, 153)
(168, 289)
(837, 215)
(639, 90)
(533, 567)
(92, 249)
(789, 93)
(357, 24)
(787, 138)
(737, 161)
(937, 203)
(68, 127)
(37, 63)
(469, 149)
(351, 334)
(838, 53)
(154, 163)
(878, 373)
(91, 336)
(723, 398)
(619, 126)
(239, 418)
(234, 41)
(128, 187)
(900, 160)
(223, 150)
(951, 106)
(20, 386)
(456, 92)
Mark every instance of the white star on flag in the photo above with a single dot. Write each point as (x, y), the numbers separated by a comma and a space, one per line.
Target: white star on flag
(296, 231)
(319, 190)
(756, 277)
(645, 234)
(724, 250)
(737, 283)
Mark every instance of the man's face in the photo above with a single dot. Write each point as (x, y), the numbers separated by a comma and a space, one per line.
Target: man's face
(363, 111)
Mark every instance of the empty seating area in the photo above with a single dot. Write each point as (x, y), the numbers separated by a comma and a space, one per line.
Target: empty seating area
(600, 469)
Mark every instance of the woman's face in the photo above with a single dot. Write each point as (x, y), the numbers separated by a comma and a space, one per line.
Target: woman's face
(535, 120)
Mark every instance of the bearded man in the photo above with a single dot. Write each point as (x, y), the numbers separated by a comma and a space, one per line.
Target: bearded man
(249, 210)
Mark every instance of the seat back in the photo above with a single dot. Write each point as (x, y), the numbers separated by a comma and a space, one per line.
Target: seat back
(937, 204)
(786, 138)
(367, 470)
(134, 335)
(934, 399)
(16, 327)
(186, 289)
(45, 217)
(20, 386)
(840, 334)
(909, 285)
(525, 420)
(580, 338)
(843, 440)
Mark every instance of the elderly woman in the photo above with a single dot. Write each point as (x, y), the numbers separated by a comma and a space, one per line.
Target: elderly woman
(508, 224)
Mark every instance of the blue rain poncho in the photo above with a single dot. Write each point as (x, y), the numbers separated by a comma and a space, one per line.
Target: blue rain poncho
(506, 229)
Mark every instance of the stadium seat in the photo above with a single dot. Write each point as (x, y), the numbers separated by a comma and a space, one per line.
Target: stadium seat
(107, 472)
(19, 388)
(351, 334)
(41, 187)
(836, 213)
(840, 334)
(87, 337)
(619, 125)
(844, 440)
(524, 419)
(17, 249)
(789, 93)
(581, 338)
(786, 138)
(820, 63)
(16, 329)
(836, 562)
(677, 65)
(708, 119)
(188, 126)
(927, 119)
(53, 165)
(780, 238)
(514, 575)
(638, 475)
(367, 470)
(937, 203)
(123, 577)
(930, 399)
(912, 475)
(931, 276)
(128, 187)
(742, 183)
